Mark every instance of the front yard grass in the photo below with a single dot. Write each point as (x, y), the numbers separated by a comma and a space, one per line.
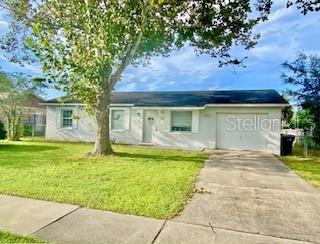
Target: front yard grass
(307, 167)
(136, 180)
(12, 238)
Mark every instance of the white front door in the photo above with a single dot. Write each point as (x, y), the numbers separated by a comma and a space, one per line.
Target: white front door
(234, 131)
(148, 125)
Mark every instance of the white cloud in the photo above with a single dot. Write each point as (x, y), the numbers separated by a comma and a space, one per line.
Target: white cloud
(268, 50)
(153, 86)
(178, 71)
(280, 13)
(4, 21)
(285, 33)
(128, 87)
(286, 23)
(33, 68)
(216, 87)
(4, 25)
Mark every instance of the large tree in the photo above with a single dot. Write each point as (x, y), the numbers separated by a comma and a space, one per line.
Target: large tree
(84, 46)
(303, 74)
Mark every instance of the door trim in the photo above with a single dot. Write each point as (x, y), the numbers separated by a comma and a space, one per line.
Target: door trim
(144, 128)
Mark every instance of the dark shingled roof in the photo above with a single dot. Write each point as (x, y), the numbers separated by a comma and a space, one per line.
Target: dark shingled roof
(191, 98)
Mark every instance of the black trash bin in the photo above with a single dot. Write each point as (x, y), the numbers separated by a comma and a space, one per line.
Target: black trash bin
(286, 144)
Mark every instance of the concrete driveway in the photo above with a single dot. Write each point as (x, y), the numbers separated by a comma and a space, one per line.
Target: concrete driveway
(251, 193)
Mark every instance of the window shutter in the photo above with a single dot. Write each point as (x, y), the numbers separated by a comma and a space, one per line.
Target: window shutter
(167, 121)
(58, 117)
(127, 119)
(195, 121)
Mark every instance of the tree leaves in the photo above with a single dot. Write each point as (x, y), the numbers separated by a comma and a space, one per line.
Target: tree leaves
(83, 44)
(304, 74)
(36, 28)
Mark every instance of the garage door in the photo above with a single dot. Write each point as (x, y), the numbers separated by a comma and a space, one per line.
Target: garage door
(242, 131)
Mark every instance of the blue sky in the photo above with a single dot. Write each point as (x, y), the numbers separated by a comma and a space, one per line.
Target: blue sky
(282, 36)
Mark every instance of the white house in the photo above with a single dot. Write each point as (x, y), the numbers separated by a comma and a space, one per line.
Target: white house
(240, 119)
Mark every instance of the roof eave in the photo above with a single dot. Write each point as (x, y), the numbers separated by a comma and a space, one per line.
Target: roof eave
(82, 104)
(216, 105)
(248, 105)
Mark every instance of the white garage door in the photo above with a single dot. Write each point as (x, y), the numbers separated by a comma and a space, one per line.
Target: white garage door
(242, 131)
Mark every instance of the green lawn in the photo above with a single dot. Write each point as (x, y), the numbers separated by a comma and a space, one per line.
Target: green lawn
(12, 238)
(136, 180)
(307, 167)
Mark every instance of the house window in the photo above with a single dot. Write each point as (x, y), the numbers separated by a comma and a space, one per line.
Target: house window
(66, 120)
(117, 119)
(181, 120)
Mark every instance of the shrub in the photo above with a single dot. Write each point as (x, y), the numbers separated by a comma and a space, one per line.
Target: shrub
(3, 132)
(27, 130)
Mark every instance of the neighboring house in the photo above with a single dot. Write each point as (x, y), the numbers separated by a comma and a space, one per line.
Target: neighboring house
(191, 119)
(34, 115)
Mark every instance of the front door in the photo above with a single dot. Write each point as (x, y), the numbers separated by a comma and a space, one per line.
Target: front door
(148, 125)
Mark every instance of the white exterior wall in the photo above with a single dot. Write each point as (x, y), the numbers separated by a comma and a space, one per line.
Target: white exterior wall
(200, 137)
(83, 129)
(203, 133)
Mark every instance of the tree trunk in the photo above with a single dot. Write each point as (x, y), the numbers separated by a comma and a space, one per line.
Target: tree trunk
(102, 144)
(17, 129)
(9, 128)
(13, 126)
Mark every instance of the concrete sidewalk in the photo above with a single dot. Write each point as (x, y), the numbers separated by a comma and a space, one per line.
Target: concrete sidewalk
(63, 223)
(27, 216)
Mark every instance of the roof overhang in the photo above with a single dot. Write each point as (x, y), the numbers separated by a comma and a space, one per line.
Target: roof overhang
(248, 105)
(62, 104)
(82, 104)
(168, 107)
(222, 105)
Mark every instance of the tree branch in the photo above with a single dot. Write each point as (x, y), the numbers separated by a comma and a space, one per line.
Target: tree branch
(125, 62)
(130, 54)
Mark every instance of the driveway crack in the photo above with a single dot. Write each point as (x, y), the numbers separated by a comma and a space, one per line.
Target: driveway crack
(157, 235)
(211, 226)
